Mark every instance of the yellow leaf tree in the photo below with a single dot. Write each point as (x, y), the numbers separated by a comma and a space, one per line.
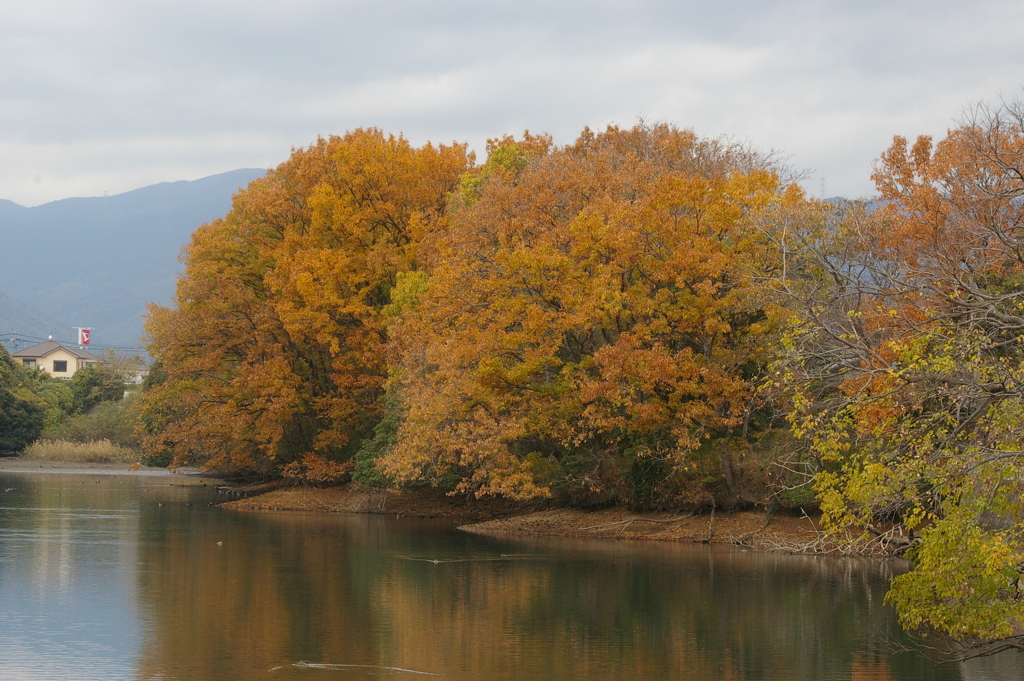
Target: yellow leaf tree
(588, 324)
(272, 353)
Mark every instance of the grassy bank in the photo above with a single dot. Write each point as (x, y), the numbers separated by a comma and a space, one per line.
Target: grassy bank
(97, 451)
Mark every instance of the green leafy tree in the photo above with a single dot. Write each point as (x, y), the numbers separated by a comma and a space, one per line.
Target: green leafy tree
(22, 413)
(58, 400)
(95, 384)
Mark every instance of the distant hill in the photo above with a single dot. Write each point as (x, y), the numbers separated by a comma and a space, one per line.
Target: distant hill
(96, 262)
(29, 323)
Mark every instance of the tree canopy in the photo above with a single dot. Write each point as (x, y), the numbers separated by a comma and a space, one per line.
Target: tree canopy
(579, 319)
(22, 413)
(273, 350)
(588, 322)
(908, 366)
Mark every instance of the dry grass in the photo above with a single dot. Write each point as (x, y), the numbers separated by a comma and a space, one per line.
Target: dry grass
(97, 451)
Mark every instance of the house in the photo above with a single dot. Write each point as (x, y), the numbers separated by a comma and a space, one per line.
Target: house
(60, 361)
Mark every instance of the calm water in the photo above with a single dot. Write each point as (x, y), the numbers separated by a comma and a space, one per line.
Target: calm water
(119, 577)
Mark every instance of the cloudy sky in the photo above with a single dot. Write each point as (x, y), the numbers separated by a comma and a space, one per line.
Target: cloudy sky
(108, 96)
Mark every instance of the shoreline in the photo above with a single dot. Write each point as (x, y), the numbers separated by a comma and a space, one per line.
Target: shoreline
(782, 530)
(184, 477)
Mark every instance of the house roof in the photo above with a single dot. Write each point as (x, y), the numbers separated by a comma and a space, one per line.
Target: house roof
(46, 347)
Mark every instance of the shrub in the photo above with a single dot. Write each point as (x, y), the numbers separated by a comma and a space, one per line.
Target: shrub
(111, 421)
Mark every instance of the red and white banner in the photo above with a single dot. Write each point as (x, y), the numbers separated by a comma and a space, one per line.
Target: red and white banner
(83, 336)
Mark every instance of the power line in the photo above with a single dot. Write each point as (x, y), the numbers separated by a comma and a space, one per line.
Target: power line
(13, 338)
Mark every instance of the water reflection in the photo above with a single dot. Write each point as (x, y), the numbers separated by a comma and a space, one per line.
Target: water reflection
(133, 580)
(68, 550)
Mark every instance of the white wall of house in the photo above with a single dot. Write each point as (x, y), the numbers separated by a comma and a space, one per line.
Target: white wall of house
(52, 362)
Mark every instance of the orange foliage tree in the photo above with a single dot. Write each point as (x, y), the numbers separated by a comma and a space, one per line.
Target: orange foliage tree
(271, 354)
(588, 324)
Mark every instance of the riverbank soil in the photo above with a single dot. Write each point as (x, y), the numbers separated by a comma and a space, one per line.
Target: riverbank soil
(752, 528)
(503, 517)
(357, 498)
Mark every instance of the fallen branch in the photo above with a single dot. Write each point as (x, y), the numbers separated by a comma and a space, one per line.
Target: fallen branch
(881, 545)
(750, 535)
(711, 525)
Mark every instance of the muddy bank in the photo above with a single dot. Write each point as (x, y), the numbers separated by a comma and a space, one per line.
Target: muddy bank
(502, 517)
(356, 498)
(746, 527)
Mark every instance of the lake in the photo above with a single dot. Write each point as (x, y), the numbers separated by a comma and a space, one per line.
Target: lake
(139, 577)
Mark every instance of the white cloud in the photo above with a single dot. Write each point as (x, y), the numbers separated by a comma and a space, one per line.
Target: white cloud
(109, 96)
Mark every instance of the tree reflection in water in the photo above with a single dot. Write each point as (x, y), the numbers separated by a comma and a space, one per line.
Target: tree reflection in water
(358, 594)
(131, 578)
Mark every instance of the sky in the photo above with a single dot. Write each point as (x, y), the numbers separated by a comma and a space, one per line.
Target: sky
(108, 96)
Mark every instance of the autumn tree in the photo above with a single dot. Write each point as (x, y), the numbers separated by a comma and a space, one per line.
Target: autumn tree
(908, 369)
(271, 353)
(587, 326)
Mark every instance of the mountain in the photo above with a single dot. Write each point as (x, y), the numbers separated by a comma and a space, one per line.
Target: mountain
(97, 262)
(28, 323)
